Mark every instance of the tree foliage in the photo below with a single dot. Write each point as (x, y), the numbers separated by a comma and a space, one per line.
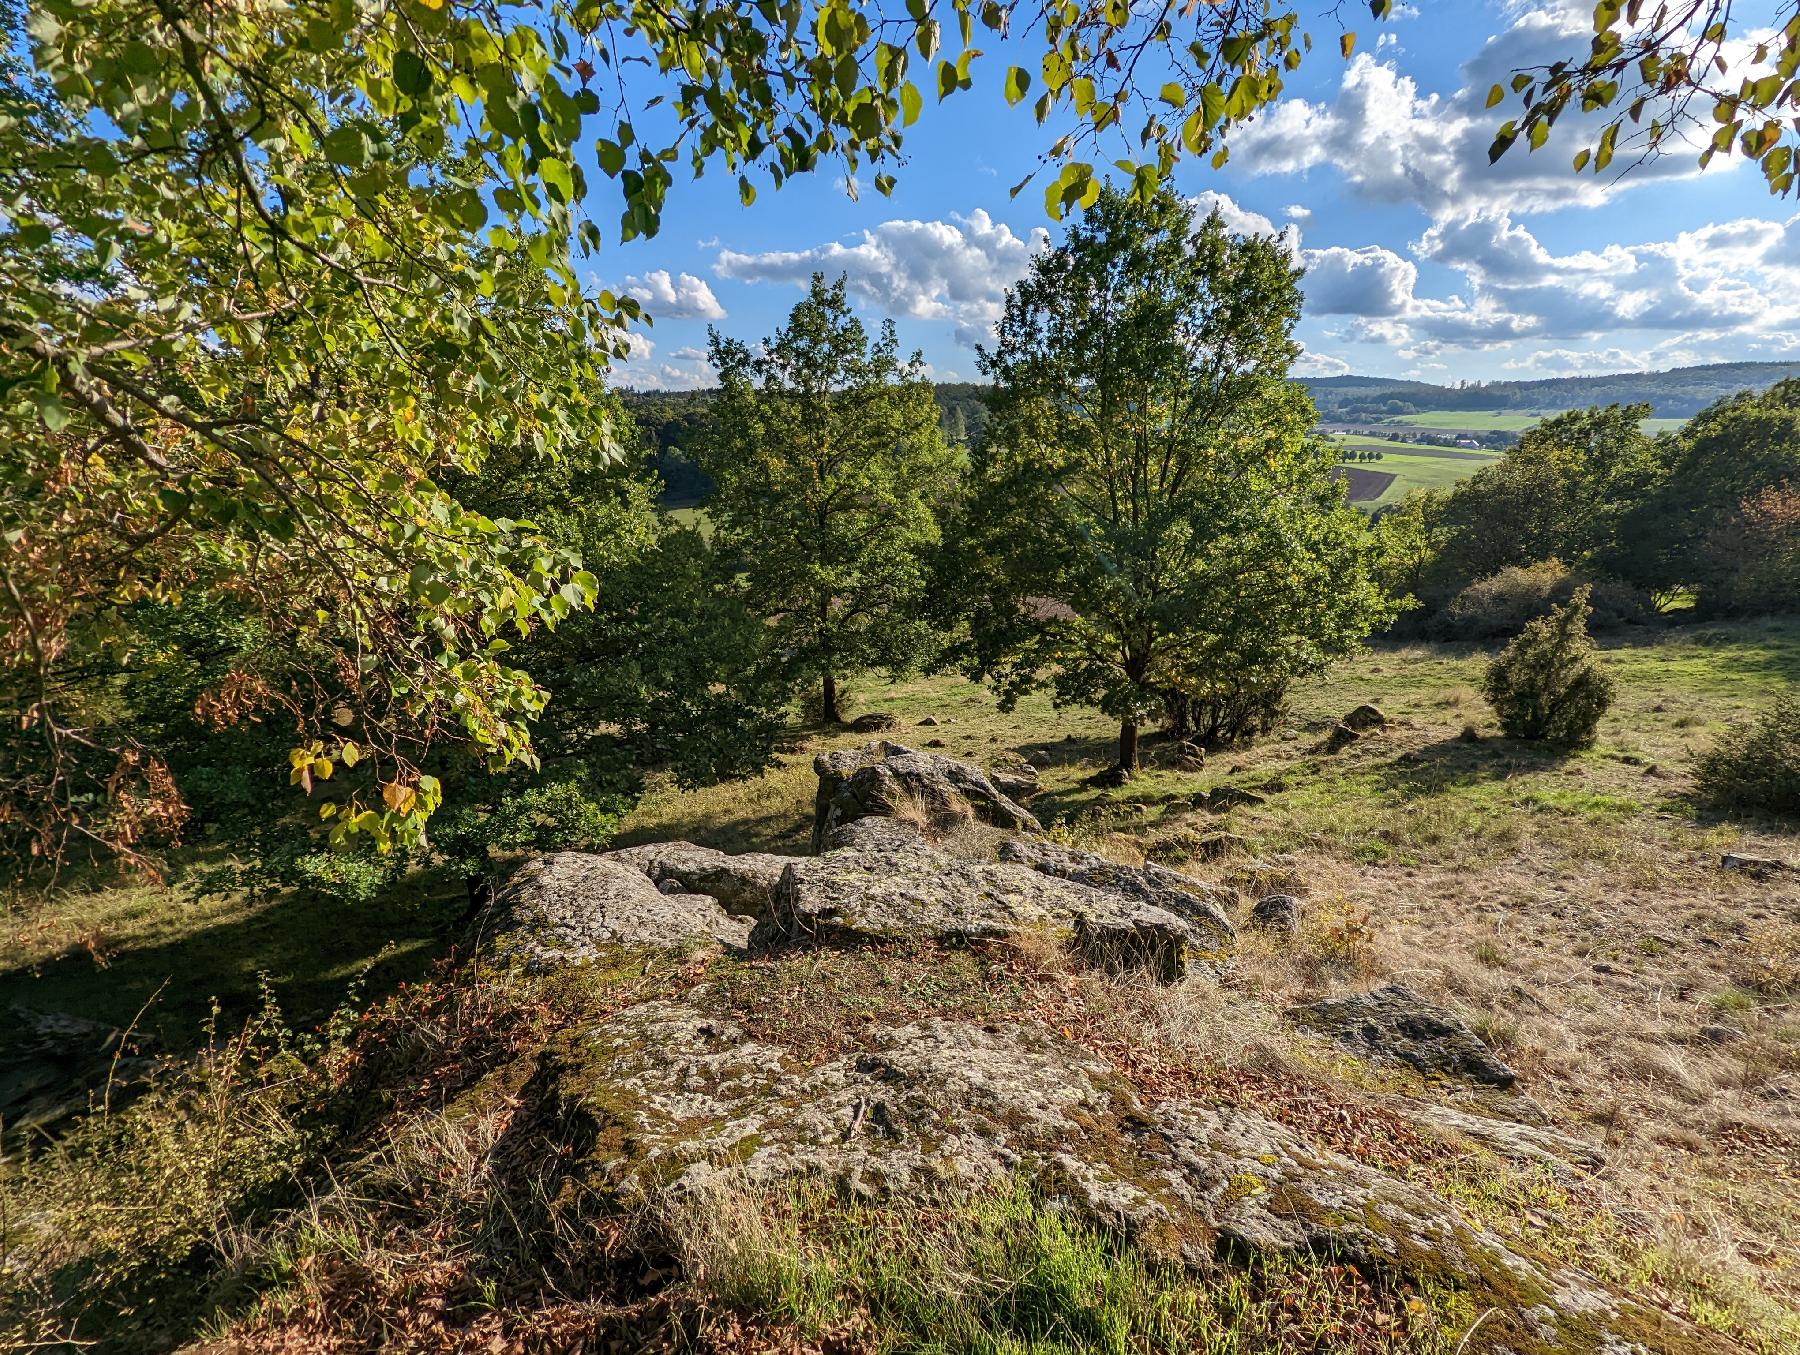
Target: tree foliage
(275, 274)
(1558, 494)
(1672, 535)
(1671, 75)
(1149, 515)
(830, 468)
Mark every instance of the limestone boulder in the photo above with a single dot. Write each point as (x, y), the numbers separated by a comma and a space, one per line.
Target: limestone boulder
(885, 779)
(1200, 904)
(742, 883)
(569, 908)
(881, 881)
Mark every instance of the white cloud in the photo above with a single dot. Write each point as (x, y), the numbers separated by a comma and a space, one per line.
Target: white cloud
(640, 369)
(1310, 363)
(1569, 362)
(689, 353)
(679, 297)
(1736, 281)
(956, 270)
(1392, 141)
(1238, 220)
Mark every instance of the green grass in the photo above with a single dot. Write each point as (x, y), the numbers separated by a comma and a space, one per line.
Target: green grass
(693, 517)
(1496, 422)
(1418, 471)
(1006, 1274)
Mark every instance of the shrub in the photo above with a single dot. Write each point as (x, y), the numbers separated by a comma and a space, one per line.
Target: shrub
(1503, 602)
(1548, 684)
(1757, 765)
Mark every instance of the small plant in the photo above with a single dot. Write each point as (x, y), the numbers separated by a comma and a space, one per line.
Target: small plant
(1548, 684)
(1757, 765)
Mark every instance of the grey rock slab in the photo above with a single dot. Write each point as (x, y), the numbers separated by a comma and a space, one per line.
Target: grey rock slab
(1521, 1142)
(884, 778)
(884, 885)
(1201, 904)
(1398, 1024)
(570, 907)
(742, 883)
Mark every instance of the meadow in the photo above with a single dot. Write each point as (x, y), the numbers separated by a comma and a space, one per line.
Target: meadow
(1475, 421)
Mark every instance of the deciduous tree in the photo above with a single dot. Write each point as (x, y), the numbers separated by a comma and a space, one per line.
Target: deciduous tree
(1150, 514)
(830, 469)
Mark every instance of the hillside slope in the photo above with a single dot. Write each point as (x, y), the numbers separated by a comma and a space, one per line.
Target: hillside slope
(986, 1093)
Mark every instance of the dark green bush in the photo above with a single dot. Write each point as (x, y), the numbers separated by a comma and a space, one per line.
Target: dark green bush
(1757, 765)
(1548, 684)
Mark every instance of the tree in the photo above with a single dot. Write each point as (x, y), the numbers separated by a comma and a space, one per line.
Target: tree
(1728, 453)
(1559, 493)
(1150, 515)
(830, 467)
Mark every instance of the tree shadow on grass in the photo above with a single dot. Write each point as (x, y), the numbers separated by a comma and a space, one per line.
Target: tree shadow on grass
(1458, 762)
(311, 948)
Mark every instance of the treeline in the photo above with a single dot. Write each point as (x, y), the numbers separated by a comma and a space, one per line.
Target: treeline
(1676, 393)
(1707, 518)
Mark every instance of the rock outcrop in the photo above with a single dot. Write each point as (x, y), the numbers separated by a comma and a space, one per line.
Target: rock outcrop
(885, 779)
(881, 881)
(1202, 905)
(680, 1099)
(663, 1099)
(571, 907)
(1395, 1023)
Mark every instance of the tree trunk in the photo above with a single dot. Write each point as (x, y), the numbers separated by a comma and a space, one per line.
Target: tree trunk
(828, 700)
(1128, 741)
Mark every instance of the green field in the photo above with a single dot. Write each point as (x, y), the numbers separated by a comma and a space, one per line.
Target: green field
(1475, 421)
(1416, 470)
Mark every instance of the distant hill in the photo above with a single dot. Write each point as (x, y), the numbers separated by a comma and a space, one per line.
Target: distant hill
(670, 419)
(1675, 394)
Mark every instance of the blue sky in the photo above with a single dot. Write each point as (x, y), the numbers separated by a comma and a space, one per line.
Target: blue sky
(1422, 260)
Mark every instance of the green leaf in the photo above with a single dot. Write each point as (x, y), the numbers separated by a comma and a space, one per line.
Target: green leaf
(557, 179)
(1495, 95)
(910, 104)
(412, 76)
(1017, 82)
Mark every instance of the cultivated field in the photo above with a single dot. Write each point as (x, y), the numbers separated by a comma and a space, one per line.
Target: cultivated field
(1416, 468)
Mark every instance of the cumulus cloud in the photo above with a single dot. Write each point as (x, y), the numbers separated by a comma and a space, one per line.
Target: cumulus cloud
(1736, 279)
(1570, 362)
(1392, 141)
(640, 369)
(955, 270)
(1310, 363)
(675, 297)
